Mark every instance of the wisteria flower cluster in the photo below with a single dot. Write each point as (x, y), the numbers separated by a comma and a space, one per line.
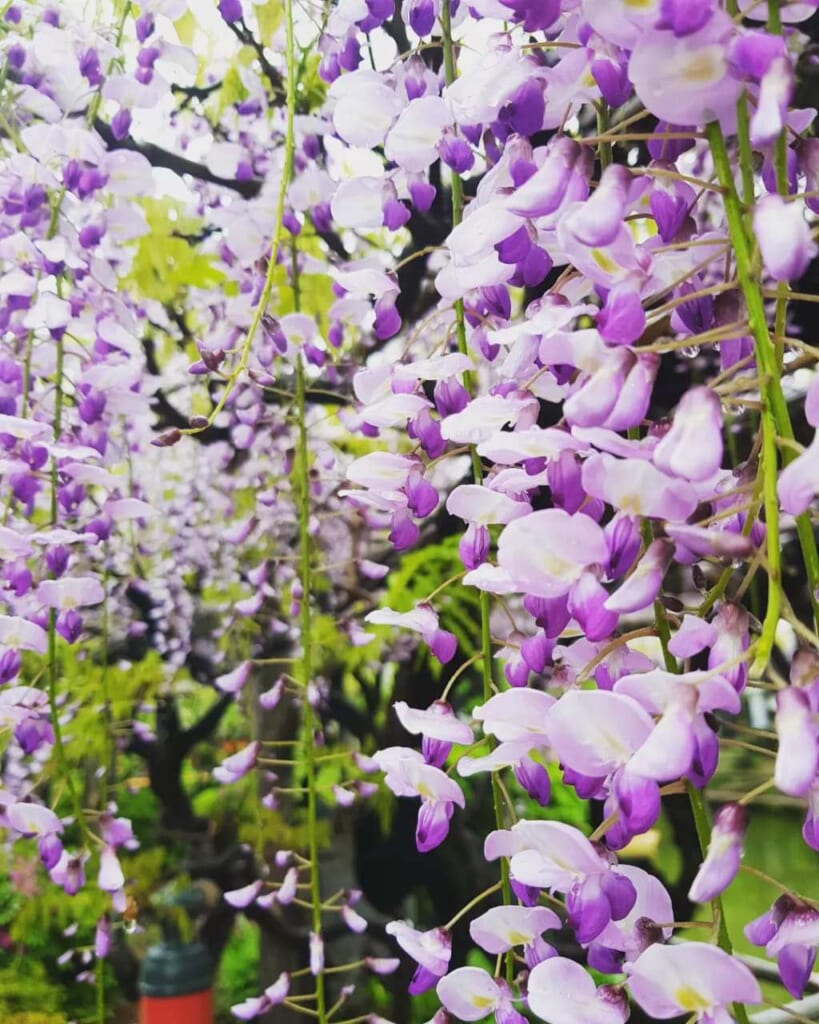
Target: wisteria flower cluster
(530, 274)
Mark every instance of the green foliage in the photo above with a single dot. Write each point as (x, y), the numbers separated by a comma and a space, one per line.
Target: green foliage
(233, 91)
(34, 1017)
(268, 17)
(312, 90)
(238, 976)
(185, 27)
(165, 263)
(420, 573)
(23, 984)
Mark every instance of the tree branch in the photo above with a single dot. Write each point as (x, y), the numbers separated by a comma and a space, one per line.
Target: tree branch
(207, 723)
(159, 157)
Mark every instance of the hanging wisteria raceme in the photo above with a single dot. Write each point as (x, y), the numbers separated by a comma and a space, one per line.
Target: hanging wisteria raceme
(524, 274)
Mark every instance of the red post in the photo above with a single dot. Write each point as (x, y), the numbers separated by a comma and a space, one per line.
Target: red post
(196, 1008)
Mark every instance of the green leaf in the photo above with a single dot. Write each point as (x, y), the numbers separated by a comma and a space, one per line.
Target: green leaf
(233, 89)
(185, 28)
(269, 17)
(166, 263)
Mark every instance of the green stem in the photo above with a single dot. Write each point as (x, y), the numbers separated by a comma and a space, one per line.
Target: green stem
(694, 795)
(781, 170)
(278, 228)
(100, 983)
(746, 156)
(704, 836)
(306, 621)
(775, 415)
(63, 769)
(306, 616)
(450, 74)
(660, 620)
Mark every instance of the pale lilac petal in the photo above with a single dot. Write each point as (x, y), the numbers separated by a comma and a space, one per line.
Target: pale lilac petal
(553, 858)
(644, 584)
(692, 448)
(546, 552)
(596, 731)
(562, 992)
(244, 896)
(33, 819)
(669, 750)
(475, 504)
(721, 863)
(250, 1008)
(637, 487)
(597, 221)
(797, 758)
(686, 80)
(812, 402)
(234, 681)
(469, 993)
(412, 141)
(484, 415)
(277, 992)
(653, 902)
(237, 765)
(784, 237)
(365, 107)
(503, 756)
(438, 722)
(692, 977)
(517, 713)
(693, 636)
(501, 928)
(110, 877)
(431, 949)
(71, 592)
(775, 92)
(546, 188)
(799, 481)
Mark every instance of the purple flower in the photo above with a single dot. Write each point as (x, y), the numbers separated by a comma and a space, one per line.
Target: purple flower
(231, 10)
(31, 819)
(110, 878)
(255, 1006)
(724, 852)
(784, 237)
(692, 448)
(546, 553)
(69, 872)
(438, 726)
(121, 123)
(561, 991)
(693, 977)
(685, 79)
(408, 774)
(431, 950)
(685, 16)
(797, 759)
(622, 319)
(502, 928)
(470, 993)
(102, 937)
(789, 932)
(91, 235)
(237, 765)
